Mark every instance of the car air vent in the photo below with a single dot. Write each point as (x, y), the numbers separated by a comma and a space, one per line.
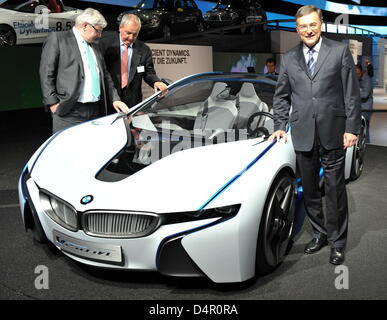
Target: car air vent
(113, 224)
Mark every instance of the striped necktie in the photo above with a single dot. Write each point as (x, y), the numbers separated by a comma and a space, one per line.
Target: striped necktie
(311, 62)
(95, 86)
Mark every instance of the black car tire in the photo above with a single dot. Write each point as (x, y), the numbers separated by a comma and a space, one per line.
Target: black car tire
(244, 30)
(166, 32)
(200, 26)
(7, 36)
(357, 163)
(276, 224)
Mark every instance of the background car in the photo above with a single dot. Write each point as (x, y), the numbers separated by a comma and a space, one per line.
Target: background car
(165, 18)
(25, 22)
(187, 185)
(236, 12)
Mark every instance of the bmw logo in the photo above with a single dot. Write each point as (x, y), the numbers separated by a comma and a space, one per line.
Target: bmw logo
(87, 199)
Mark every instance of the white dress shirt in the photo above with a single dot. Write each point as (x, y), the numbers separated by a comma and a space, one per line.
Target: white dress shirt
(316, 49)
(85, 95)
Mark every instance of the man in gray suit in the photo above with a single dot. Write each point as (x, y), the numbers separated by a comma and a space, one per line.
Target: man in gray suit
(317, 81)
(73, 75)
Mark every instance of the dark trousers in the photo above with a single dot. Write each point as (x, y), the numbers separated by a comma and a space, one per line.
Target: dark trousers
(334, 224)
(81, 112)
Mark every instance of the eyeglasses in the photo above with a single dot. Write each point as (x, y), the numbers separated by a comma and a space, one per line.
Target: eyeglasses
(313, 26)
(96, 30)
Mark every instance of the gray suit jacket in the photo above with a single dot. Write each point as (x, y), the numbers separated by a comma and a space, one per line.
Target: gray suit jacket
(328, 101)
(61, 73)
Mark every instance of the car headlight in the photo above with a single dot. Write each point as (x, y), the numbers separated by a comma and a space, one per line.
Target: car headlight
(59, 211)
(225, 212)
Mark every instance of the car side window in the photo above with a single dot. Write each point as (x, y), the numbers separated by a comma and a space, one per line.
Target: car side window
(177, 4)
(160, 4)
(189, 4)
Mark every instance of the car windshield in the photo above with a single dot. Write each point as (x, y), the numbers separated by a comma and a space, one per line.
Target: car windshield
(223, 4)
(195, 114)
(152, 4)
(211, 111)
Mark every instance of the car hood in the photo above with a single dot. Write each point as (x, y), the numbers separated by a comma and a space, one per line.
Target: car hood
(182, 181)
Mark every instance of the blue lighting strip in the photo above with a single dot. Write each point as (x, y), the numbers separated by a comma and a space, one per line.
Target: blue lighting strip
(229, 183)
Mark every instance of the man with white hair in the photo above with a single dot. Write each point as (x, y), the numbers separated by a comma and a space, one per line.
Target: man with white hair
(129, 61)
(74, 80)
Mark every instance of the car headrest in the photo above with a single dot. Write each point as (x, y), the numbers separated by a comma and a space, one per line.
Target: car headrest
(217, 89)
(247, 90)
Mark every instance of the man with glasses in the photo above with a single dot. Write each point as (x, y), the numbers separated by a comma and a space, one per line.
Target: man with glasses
(74, 80)
(318, 82)
(129, 61)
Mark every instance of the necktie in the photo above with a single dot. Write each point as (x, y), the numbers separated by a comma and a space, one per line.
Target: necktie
(124, 67)
(95, 84)
(311, 62)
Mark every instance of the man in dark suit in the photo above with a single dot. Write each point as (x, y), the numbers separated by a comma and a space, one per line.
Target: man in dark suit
(73, 75)
(271, 67)
(317, 80)
(129, 61)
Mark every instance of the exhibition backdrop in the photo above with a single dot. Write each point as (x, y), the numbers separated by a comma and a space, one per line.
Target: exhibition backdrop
(20, 71)
(174, 62)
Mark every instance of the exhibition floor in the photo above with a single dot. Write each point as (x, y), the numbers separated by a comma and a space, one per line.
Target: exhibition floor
(298, 277)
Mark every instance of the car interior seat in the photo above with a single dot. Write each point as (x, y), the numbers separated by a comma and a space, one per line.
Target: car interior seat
(217, 111)
(248, 103)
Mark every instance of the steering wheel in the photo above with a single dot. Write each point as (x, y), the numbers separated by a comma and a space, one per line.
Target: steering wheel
(258, 130)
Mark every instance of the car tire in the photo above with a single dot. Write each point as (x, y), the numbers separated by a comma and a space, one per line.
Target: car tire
(357, 163)
(200, 27)
(32, 223)
(276, 224)
(7, 36)
(244, 30)
(166, 32)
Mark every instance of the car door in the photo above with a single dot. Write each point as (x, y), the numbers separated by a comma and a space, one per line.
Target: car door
(192, 15)
(178, 21)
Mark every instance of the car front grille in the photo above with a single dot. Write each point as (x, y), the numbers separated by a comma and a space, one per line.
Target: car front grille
(119, 224)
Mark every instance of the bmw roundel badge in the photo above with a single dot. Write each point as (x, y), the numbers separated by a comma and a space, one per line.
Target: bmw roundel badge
(87, 199)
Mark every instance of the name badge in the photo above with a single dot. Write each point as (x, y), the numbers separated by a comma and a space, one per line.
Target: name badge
(140, 69)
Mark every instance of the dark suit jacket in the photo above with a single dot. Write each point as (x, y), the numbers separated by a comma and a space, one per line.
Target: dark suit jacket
(141, 56)
(329, 99)
(61, 73)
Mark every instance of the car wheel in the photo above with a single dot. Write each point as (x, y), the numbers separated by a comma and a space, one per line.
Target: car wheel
(33, 223)
(7, 36)
(200, 27)
(244, 30)
(358, 155)
(276, 224)
(166, 32)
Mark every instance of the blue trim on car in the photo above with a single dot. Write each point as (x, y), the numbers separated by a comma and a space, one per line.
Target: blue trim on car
(236, 177)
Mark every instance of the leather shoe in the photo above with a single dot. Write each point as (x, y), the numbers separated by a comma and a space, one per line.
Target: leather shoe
(315, 245)
(337, 256)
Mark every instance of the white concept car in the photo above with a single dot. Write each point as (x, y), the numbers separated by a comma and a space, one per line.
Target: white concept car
(25, 22)
(187, 185)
